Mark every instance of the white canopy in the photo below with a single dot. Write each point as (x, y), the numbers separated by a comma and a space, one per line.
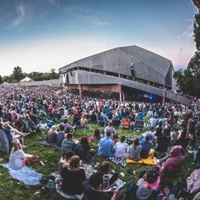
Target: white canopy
(26, 79)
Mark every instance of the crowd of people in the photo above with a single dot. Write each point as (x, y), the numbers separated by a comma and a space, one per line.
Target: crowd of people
(23, 108)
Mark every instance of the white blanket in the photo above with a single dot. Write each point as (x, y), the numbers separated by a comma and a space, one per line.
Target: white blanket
(27, 175)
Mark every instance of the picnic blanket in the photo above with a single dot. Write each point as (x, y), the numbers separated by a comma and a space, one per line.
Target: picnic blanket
(58, 181)
(44, 142)
(124, 163)
(26, 175)
(146, 161)
(88, 168)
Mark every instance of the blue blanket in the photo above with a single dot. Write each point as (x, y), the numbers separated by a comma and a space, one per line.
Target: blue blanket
(27, 175)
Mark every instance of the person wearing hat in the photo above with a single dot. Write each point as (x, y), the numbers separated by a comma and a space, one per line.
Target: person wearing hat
(147, 186)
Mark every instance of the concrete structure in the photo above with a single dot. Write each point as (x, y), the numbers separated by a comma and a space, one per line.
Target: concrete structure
(119, 70)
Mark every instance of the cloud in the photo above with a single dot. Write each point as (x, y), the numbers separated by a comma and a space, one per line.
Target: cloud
(21, 16)
(83, 13)
(54, 3)
(189, 30)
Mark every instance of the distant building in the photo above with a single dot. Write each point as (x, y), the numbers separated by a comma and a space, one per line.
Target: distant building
(123, 70)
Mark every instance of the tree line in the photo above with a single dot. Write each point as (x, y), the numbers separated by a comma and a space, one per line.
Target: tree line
(18, 75)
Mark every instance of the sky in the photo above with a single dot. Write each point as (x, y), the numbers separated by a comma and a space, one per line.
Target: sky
(40, 35)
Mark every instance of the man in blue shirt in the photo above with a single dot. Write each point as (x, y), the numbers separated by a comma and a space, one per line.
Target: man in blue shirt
(106, 146)
(60, 135)
(146, 146)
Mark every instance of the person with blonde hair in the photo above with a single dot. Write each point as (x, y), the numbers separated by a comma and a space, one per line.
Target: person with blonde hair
(73, 177)
(17, 156)
(52, 134)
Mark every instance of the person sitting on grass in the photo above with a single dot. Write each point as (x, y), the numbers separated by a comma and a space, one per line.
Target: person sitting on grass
(121, 148)
(95, 192)
(84, 122)
(146, 146)
(68, 144)
(106, 146)
(112, 130)
(73, 177)
(52, 135)
(11, 132)
(64, 160)
(97, 136)
(107, 181)
(174, 158)
(147, 185)
(61, 135)
(82, 149)
(17, 156)
(134, 150)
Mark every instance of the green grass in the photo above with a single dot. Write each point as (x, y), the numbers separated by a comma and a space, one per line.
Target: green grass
(12, 189)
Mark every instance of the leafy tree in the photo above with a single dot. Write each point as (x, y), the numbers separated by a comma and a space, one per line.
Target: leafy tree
(17, 74)
(188, 80)
(36, 76)
(7, 79)
(1, 79)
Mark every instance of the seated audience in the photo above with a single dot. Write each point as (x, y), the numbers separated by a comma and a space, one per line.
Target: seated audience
(97, 135)
(52, 135)
(174, 159)
(30, 126)
(146, 146)
(159, 129)
(134, 150)
(147, 186)
(61, 135)
(82, 149)
(64, 160)
(84, 122)
(151, 133)
(196, 157)
(106, 146)
(111, 129)
(73, 177)
(107, 181)
(95, 191)
(121, 148)
(167, 129)
(17, 156)
(68, 144)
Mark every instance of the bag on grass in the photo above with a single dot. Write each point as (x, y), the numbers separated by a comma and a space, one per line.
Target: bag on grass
(31, 160)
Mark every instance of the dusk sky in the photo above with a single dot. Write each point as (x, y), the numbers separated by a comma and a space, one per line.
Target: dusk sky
(38, 35)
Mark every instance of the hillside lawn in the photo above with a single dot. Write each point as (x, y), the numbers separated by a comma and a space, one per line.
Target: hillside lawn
(12, 189)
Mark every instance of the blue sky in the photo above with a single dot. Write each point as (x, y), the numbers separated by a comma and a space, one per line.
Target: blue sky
(38, 35)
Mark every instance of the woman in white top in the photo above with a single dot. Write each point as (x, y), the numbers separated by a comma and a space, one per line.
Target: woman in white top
(121, 148)
(17, 156)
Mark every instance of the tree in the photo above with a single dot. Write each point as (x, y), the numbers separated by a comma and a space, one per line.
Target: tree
(54, 75)
(188, 80)
(1, 79)
(17, 74)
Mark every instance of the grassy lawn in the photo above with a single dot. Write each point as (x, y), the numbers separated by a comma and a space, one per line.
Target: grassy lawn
(12, 189)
